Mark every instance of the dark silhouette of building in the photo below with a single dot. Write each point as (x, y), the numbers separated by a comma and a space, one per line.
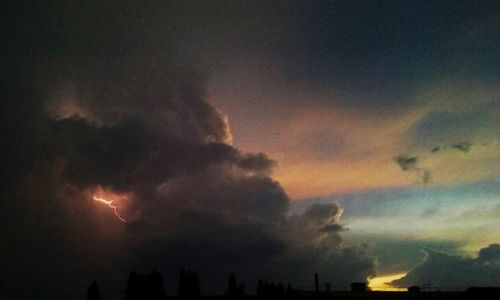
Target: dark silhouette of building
(359, 287)
(93, 292)
(328, 286)
(414, 289)
(233, 289)
(147, 287)
(189, 284)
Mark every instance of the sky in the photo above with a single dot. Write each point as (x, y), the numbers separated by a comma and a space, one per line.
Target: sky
(273, 139)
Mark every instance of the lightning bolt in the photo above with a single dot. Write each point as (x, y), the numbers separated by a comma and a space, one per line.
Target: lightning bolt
(110, 204)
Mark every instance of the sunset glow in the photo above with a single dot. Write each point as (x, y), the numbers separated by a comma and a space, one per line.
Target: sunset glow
(382, 283)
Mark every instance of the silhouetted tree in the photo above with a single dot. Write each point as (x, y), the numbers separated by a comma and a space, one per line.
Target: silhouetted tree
(132, 291)
(233, 289)
(231, 285)
(149, 286)
(195, 284)
(280, 289)
(260, 287)
(241, 289)
(93, 292)
(266, 289)
(155, 285)
(181, 286)
(189, 284)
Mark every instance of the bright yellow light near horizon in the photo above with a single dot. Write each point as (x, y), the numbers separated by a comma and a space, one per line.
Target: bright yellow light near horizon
(382, 283)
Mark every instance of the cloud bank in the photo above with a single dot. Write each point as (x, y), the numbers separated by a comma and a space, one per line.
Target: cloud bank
(444, 270)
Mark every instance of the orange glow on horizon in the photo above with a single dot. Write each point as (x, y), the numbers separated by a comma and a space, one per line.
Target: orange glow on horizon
(382, 283)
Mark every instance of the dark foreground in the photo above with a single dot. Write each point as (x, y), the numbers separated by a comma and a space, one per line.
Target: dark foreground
(473, 293)
(150, 287)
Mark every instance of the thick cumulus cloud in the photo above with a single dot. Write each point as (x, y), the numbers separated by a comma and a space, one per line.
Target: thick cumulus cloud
(191, 199)
(158, 92)
(444, 270)
(90, 111)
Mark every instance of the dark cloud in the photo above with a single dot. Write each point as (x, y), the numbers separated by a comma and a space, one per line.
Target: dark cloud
(319, 218)
(451, 127)
(192, 201)
(463, 146)
(255, 162)
(96, 106)
(345, 28)
(444, 270)
(410, 163)
(395, 255)
(332, 228)
(406, 162)
(490, 254)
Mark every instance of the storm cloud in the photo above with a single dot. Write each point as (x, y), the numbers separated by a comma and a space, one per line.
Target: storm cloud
(191, 200)
(134, 124)
(444, 270)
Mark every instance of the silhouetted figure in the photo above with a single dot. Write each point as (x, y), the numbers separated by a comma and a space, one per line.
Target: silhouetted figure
(316, 282)
(148, 287)
(189, 284)
(233, 289)
(289, 290)
(93, 292)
